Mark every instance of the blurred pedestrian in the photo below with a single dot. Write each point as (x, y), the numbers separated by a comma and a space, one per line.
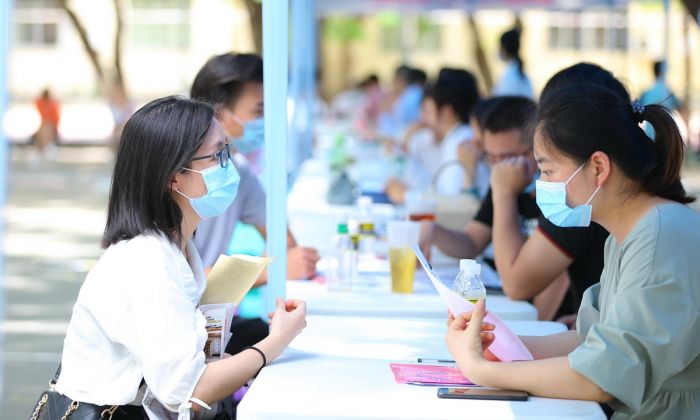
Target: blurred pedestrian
(46, 137)
(514, 81)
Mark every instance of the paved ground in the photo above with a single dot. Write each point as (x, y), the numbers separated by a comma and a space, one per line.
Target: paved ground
(54, 219)
(55, 216)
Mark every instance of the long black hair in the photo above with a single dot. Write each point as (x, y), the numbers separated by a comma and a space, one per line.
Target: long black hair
(158, 140)
(585, 73)
(221, 80)
(581, 118)
(510, 43)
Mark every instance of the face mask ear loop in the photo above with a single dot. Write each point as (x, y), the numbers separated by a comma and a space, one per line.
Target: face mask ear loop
(183, 194)
(192, 170)
(594, 193)
(574, 174)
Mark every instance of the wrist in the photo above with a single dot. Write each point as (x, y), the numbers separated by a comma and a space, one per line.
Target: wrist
(478, 371)
(273, 345)
(503, 195)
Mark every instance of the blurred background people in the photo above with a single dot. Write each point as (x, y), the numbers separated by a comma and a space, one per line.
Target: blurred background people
(401, 106)
(433, 142)
(46, 137)
(513, 81)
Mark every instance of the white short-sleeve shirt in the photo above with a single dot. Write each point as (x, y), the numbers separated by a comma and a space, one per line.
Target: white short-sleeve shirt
(137, 317)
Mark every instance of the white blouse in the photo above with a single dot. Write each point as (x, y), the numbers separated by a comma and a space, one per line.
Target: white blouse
(137, 317)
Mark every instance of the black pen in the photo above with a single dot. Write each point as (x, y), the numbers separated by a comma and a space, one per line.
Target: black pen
(424, 360)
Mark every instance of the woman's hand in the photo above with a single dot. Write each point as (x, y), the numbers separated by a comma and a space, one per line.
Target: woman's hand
(288, 319)
(468, 337)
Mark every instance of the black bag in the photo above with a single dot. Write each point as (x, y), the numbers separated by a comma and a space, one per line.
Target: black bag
(55, 406)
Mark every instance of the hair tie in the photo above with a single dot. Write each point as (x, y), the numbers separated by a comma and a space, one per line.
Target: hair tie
(638, 111)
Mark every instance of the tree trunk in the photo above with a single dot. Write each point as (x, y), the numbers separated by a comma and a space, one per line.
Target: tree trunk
(82, 33)
(481, 61)
(255, 13)
(118, 70)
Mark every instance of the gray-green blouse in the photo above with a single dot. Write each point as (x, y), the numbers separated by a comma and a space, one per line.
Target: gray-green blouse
(639, 328)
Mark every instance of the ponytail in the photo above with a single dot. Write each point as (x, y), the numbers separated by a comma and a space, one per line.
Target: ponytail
(665, 180)
(510, 42)
(582, 118)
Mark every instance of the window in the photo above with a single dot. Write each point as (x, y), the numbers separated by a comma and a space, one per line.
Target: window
(160, 35)
(428, 35)
(422, 33)
(36, 34)
(160, 24)
(391, 38)
(36, 23)
(36, 4)
(588, 31)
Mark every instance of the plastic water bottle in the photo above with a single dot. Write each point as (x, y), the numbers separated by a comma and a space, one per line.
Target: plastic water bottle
(341, 275)
(468, 282)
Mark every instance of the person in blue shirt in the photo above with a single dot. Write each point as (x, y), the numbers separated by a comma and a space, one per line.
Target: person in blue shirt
(659, 93)
(514, 81)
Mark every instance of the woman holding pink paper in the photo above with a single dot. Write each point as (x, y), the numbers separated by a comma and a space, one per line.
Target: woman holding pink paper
(637, 346)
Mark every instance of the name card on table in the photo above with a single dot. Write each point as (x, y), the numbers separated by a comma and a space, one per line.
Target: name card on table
(421, 374)
(506, 345)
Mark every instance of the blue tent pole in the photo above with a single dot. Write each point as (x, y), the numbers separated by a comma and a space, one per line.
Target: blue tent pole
(303, 81)
(275, 73)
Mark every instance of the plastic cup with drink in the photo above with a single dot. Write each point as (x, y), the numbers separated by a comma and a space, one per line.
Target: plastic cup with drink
(402, 235)
(420, 207)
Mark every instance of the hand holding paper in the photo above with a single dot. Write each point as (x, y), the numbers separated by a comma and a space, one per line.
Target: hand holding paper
(457, 330)
(506, 346)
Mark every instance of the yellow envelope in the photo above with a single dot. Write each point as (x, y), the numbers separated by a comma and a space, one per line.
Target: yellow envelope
(232, 277)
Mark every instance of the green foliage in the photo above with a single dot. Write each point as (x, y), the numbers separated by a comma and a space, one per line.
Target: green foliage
(343, 28)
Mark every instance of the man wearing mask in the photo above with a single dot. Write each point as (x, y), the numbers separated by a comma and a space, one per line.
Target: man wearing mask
(232, 83)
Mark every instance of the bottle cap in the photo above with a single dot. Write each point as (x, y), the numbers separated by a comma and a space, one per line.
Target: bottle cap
(469, 266)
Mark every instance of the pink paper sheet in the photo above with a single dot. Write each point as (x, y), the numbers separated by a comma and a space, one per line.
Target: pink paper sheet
(506, 346)
(428, 374)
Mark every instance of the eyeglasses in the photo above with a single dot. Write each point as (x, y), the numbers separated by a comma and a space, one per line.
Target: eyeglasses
(224, 156)
(494, 159)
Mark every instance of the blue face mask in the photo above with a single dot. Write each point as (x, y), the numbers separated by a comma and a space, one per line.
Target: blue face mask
(222, 187)
(551, 198)
(253, 137)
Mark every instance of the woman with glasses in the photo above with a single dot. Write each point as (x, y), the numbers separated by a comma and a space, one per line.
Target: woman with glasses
(136, 336)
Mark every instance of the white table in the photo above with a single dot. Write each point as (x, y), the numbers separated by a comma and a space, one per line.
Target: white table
(307, 386)
(391, 339)
(373, 298)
